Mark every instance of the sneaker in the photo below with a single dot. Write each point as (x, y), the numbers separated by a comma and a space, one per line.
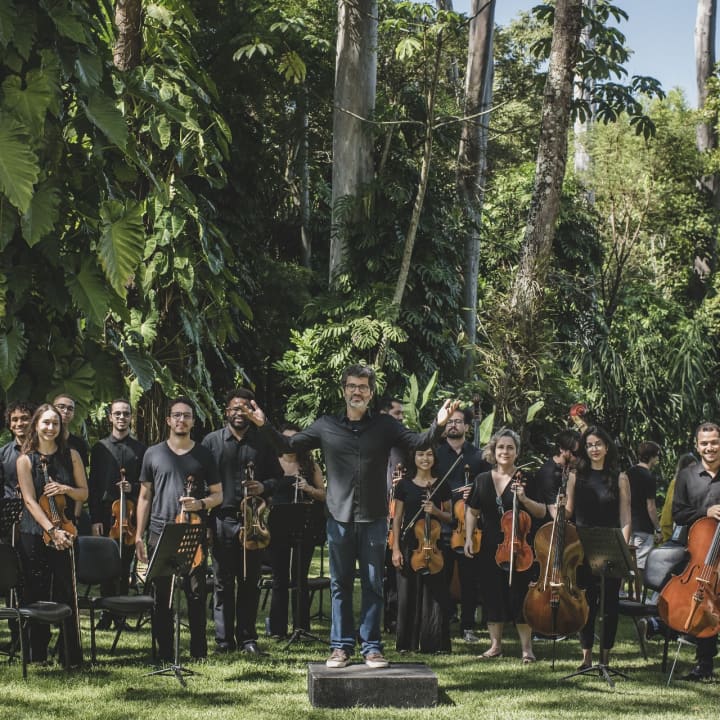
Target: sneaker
(470, 637)
(338, 659)
(376, 660)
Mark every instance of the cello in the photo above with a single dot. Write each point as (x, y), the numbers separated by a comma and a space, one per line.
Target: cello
(554, 605)
(689, 602)
(123, 512)
(514, 553)
(427, 559)
(457, 539)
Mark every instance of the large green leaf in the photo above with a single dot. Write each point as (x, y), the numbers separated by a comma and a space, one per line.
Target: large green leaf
(122, 241)
(7, 22)
(88, 69)
(145, 326)
(8, 222)
(141, 365)
(78, 381)
(90, 292)
(68, 24)
(18, 163)
(41, 216)
(30, 104)
(13, 345)
(104, 113)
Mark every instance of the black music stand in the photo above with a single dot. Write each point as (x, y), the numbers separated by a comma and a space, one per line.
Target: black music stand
(607, 554)
(173, 557)
(292, 523)
(11, 510)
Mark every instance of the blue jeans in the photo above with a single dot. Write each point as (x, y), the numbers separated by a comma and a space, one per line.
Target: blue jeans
(366, 543)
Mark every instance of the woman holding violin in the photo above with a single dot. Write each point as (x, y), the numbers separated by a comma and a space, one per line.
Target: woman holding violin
(302, 483)
(51, 477)
(422, 504)
(493, 496)
(598, 495)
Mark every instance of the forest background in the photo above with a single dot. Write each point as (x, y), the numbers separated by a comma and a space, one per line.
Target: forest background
(173, 217)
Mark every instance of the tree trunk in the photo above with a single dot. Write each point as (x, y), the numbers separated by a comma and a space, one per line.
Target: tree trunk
(303, 161)
(582, 90)
(527, 291)
(472, 157)
(128, 46)
(355, 81)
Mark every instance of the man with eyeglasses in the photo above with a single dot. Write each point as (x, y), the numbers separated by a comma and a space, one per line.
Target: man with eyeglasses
(235, 447)
(356, 444)
(471, 465)
(178, 475)
(118, 451)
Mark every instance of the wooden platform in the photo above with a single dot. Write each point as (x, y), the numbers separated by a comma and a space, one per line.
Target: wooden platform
(400, 685)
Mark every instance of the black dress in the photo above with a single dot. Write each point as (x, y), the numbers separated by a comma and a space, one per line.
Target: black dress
(502, 602)
(423, 619)
(597, 504)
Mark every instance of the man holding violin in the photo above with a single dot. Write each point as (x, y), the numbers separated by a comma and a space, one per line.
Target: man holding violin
(697, 495)
(235, 447)
(177, 476)
(356, 445)
(115, 463)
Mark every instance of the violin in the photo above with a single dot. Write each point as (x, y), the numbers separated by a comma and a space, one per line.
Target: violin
(689, 602)
(54, 508)
(397, 476)
(554, 605)
(256, 535)
(514, 553)
(123, 512)
(457, 539)
(192, 518)
(427, 558)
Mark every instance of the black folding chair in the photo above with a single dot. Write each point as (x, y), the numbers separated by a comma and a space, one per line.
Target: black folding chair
(98, 562)
(43, 612)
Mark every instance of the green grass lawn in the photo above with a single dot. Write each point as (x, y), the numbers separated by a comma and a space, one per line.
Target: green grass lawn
(275, 686)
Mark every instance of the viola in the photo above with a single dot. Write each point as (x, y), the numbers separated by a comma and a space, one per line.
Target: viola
(192, 518)
(255, 533)
(554, 605)
(689, 602)
(54, 508)
(397, 476)
(457, 539)
(123, 511)
(513, 553)
(427, 559)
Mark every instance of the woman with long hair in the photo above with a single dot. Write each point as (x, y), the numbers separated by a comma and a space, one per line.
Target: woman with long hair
(491, 496)
(598, 495)
(47, 467)
(423, 617)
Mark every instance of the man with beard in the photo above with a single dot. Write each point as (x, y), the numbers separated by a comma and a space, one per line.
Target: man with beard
(118, 451)
(234, 447)
(176, 475)
(549, 476)
(469, 467)
(697, 495)
(356, 445)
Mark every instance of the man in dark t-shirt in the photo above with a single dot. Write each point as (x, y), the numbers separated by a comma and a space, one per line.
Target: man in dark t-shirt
(177, 475)
(548, 478)
(645, 523)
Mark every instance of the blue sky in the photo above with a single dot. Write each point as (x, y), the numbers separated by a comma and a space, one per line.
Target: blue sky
(660, 32)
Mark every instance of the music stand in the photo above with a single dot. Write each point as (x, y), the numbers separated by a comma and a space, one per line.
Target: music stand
(607, 554)
(173, 557)
(291, 523)
(11, 510)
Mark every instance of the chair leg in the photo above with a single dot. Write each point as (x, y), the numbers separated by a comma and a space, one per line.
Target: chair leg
(666, 647)
(117, 637)
(641, 637)
(93, 642)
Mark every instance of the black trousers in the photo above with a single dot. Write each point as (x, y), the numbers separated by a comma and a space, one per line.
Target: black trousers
(48, 575)
(612, 611)
(284, 560)
(194, 587)
(469, 574)
(236, 597)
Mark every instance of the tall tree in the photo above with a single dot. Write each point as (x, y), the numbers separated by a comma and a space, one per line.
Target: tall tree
(355, 83)
(128, 44)
(472, 155)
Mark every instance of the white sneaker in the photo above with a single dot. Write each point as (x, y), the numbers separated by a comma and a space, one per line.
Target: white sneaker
(338, 659)
(376, 660)
(470, 637)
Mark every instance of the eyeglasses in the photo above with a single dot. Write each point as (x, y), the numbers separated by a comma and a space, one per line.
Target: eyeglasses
(181, 416)
(235, 410)
(121, 413)
(352, 387)
(595, 446)
(63, 406)
(455, 422)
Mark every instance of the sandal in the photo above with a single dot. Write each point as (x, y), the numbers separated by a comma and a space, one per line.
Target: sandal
(488, 655)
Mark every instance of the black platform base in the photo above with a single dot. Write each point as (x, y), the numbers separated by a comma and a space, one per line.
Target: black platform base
(400, 685)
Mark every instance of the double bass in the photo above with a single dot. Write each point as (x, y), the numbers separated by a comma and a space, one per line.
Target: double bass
(689, 602)
(554, 605)
(513, 553)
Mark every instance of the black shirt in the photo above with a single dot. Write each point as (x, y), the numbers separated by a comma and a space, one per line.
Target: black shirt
(413, 497)
(642, 489)
(597, 500)
(168, 473)
(9, 454)
(106, 459)
(695, 491)
(233, 455)
(356, 457)
(446, 456)
(80, 445)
